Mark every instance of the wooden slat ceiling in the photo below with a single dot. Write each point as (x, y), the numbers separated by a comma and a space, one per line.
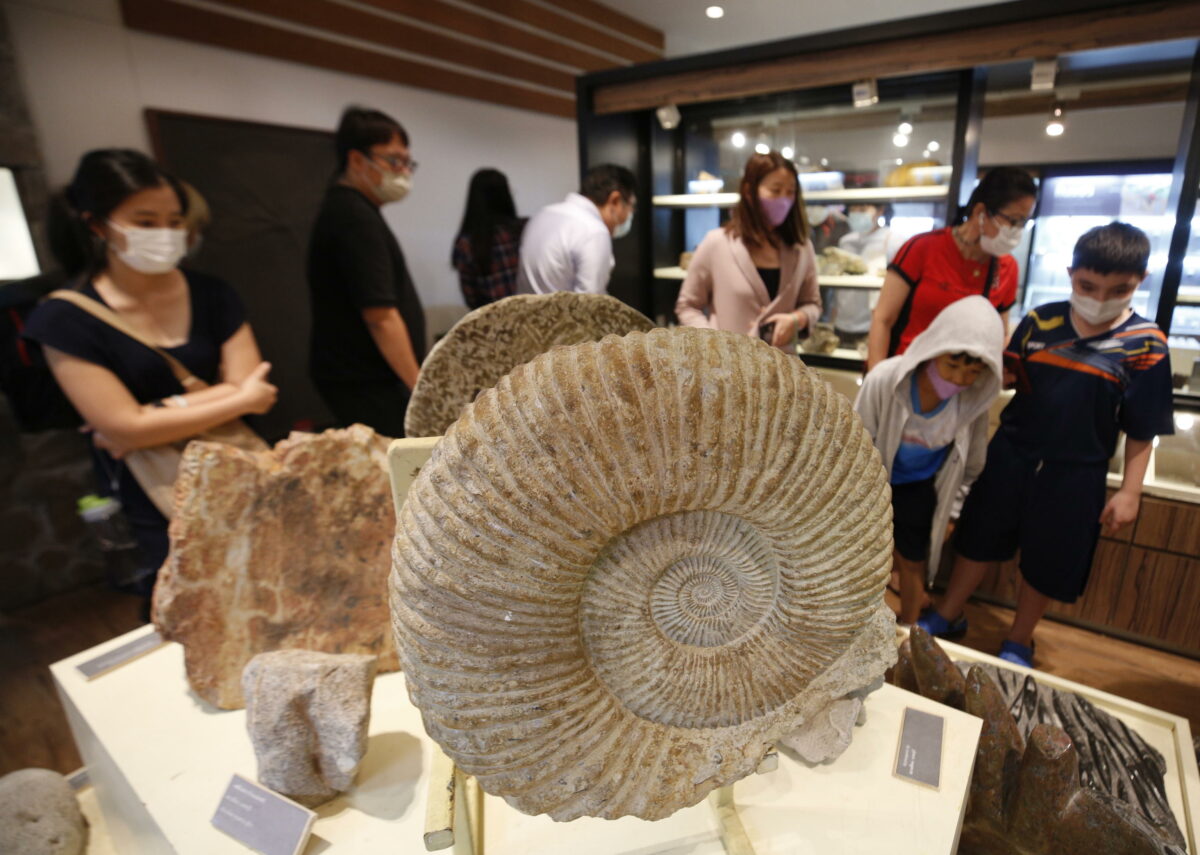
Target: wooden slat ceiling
(518, 53)
(1136, 23)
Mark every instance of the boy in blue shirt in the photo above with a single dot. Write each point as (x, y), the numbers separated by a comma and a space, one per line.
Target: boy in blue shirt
(1085, 370)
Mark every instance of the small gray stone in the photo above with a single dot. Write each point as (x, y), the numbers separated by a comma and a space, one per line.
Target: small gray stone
(39, 814)
(307, 714)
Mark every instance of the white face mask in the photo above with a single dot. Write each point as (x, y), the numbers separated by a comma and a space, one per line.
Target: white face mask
(151, 250)
(624, 228)
(392, 186)
(861, 221)
(1006, 240)
(1099, 311)
(816, 214)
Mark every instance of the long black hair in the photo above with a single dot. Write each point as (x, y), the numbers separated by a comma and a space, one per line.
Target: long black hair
(103, 180)
(489, 204)
(999, 187)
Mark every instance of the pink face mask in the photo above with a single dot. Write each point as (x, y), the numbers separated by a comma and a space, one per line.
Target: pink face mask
(942, 387)
(776, 209)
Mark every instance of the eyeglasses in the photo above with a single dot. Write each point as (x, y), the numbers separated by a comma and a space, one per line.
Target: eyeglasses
(1014, 222)
(397, 163)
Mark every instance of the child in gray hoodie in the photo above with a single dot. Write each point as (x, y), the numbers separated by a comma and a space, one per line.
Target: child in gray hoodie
(927, 412)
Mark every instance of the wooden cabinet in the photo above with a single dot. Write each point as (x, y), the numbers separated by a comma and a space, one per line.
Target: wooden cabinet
(1144, 584)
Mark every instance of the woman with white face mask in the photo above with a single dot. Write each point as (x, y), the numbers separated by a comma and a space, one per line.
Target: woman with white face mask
(934, 269)
(119, 231)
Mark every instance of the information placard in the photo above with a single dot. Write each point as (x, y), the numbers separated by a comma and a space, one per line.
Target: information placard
(919, 755)
(118, 656)
(262, 819)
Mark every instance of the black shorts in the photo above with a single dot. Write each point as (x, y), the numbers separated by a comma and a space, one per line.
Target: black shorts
(913, 505)
(1048, 510)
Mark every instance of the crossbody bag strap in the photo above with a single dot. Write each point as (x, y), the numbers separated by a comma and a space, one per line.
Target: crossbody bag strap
(991, 277)
(103, 313)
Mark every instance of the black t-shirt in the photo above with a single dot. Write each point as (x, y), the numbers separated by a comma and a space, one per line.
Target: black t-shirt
(355, 263)
(770, 278)
(217, 313)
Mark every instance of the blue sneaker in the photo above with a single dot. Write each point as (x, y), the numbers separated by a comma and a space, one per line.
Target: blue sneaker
(1018, 654)
(937, 626)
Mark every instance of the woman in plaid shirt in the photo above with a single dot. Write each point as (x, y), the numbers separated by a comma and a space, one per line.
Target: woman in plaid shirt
(486, 249)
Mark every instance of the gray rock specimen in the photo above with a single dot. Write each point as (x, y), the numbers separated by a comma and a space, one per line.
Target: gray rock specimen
(307, 714)
(39, 815)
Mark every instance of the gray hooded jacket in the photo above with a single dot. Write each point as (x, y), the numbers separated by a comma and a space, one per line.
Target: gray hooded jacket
(884, 402)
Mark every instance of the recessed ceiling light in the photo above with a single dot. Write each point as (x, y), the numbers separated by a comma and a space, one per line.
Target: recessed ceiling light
(824, 161)
(925, 154)
(738, 139)
(762, 148)
(1055, 126)
(788, 152)
(899, 140)
(934, 145)
(904, 128)
(899, 161)
(715, 12)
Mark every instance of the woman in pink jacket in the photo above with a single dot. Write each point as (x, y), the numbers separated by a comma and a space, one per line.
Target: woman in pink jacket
(758, 273)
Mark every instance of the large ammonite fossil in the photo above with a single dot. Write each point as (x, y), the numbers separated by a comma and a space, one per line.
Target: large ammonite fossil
(494, 339)
(633, 565)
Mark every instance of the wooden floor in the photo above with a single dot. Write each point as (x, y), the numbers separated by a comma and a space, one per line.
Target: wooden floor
(34, 732)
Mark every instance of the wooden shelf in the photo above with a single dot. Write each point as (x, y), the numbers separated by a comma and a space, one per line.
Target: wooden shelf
(858, 195)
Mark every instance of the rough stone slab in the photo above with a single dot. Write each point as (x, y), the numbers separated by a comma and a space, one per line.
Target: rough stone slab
(307, 715)
(39, 815)
(278, 549)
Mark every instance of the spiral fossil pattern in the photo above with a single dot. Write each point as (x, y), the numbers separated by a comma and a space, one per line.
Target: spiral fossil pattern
(494, 339)
(634, 564)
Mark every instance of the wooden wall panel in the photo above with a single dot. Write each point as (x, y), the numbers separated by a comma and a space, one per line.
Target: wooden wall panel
(388, 32)
(167, 18)
(544, 19)
(613, 19)
(489, 29)
(1146, 22)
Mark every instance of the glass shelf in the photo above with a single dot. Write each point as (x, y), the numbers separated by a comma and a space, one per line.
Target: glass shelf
(871, 283)
(859, 195)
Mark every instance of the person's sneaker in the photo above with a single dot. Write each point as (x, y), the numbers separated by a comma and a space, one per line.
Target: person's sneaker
(937, 626)
(1018, 654)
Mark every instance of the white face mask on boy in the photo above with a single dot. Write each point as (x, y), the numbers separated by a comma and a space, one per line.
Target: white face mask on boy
(151, 250)
(1099, 311)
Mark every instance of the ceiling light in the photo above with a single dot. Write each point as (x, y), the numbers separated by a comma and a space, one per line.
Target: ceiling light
(738, 139)
(788, 152)
(715, 12)
(1055, 125)
(865, 93)
(668, 116)
(899, 161)
(824, 161)
(762, 148)
(904, 128)
(925, 154)
(899, 140)
(934, 145)
(1043, 74)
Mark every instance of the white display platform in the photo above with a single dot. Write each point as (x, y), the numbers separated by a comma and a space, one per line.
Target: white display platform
(159, 758)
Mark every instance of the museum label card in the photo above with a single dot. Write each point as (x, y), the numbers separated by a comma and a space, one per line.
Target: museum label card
(262, 819)
(118, 656)
(919, 756)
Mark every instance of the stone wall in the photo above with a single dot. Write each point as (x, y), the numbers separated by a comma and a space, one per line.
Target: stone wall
(44, 547)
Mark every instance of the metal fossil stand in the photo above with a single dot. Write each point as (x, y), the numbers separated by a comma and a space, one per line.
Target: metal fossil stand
(454, 813)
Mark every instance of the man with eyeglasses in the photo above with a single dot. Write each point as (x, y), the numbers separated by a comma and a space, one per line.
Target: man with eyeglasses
(368, 326)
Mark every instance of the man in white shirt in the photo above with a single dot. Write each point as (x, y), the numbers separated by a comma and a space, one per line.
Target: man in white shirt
(567, 246)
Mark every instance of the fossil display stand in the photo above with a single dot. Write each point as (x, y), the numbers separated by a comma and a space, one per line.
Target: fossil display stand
(160, 758)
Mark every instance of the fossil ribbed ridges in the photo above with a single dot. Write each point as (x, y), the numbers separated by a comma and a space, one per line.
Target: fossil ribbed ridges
(546, 664)
(492, 340)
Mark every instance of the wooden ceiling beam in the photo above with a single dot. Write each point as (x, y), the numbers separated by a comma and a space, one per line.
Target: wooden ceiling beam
(190, 23)
(468, 23)
(966, 48)
(388, 32)
(567, 28)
